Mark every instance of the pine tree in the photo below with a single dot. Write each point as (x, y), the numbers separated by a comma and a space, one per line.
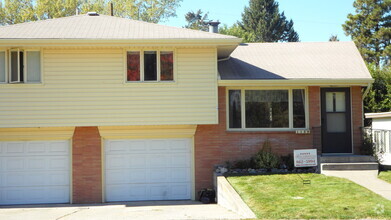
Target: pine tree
(13, 12)
(197, 20)
(263, 18)
(370, 28)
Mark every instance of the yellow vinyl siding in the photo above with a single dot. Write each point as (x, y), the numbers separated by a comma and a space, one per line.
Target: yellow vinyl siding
(87, 88)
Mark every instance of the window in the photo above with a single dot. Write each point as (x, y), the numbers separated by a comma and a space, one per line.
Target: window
(267, 109)
(23, 66)
(156, 66)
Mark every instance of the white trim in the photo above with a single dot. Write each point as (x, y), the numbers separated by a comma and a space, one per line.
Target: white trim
(297, 82)
(243, 109)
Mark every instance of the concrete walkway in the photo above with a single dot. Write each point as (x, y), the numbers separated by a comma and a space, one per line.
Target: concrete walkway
(131, 210)
(367, 179)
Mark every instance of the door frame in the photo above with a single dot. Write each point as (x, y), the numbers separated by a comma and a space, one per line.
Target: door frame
(323, 91)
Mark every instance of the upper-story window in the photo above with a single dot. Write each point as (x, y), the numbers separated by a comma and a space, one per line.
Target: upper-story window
(20, 66)
(150, 66)
(276, 109)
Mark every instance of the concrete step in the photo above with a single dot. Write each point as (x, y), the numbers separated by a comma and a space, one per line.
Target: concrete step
(347, 159)
(350, 166)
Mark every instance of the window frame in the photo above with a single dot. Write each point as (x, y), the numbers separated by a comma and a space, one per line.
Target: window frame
(290, 105)
(142, 81)
(5, 66)
(8, 66)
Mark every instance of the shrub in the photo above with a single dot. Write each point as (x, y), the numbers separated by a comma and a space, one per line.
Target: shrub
(288, 162)
(265, 158)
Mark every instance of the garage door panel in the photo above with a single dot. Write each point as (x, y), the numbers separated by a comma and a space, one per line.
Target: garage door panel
(180, 146)
(179, 175)
(158, 175)
(158, 146)
(137, 176)
(117, 161)
(137, 161)
(117, 176)
(180, 160)
(158, 160)
(155, 169)
(179, 191)
(34, 172)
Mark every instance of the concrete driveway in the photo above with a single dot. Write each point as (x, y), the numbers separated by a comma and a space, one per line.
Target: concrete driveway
(130, 210)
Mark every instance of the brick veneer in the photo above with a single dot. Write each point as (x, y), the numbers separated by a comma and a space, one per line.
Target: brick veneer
(215, 145)
(87, 162)
(357, 117)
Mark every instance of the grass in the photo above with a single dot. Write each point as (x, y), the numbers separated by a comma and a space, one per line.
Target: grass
(285, 197)
(385, 175)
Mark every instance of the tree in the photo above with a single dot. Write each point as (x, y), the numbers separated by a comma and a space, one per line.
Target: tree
(263, 19)
(197, 21)
(237, 31)
(378, 98)
(370, 28)
(334, 38)
(13, 12)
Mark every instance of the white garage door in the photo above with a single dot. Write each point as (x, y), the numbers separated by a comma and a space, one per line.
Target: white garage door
(158, 169)
(34, 172)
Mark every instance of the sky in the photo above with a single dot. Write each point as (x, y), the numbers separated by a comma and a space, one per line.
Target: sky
(314, 20)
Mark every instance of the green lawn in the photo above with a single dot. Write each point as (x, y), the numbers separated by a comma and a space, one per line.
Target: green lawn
(285, 197)
(385, 175)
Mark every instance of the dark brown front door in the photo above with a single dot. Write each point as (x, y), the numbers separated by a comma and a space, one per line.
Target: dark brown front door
(336, 120)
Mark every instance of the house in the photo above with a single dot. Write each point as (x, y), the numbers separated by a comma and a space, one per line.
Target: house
(381, 135)
(96, 108)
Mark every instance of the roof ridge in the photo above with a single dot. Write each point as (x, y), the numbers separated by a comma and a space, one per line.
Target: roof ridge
(162, 25)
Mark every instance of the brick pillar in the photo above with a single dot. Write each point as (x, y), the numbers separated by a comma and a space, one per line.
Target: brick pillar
(357, 117)
(87, 165)
(315, 117)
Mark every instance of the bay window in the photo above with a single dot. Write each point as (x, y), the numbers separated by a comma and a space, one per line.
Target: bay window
(267, 109)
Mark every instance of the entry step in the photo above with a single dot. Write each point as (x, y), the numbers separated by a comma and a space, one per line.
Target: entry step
(347, 159)
(350, 166)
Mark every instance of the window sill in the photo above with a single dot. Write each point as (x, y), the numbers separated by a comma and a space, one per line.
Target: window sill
(13, 85)
(146, 83)
(278, 131)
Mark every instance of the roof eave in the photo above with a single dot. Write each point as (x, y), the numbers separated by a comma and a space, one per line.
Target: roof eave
(297, 82)
(101, 42)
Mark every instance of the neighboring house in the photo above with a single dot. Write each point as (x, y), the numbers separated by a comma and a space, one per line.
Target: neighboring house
(96, 108)
(381, 135)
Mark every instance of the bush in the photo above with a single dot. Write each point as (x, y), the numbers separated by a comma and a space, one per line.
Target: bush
(288, 162)
(266, 159)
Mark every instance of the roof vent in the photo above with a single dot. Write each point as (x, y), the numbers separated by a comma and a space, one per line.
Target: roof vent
(92, 13)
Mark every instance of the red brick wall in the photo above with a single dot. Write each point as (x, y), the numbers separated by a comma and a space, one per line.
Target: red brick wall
(357, 117)
(86, 161)
(215, 145)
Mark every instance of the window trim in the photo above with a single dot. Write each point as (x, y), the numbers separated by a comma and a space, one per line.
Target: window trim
(142, 81)
(7, 68)
(290, 104)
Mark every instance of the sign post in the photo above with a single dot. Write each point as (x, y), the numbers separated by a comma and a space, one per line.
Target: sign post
(305, 158)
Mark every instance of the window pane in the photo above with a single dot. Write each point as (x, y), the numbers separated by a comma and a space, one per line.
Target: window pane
(336, 122)
(235, 112)
(133, 66)
(2, 66)
(33, 66)
(14, 66)
(298, 108)
(267, 109)
(150, 67)
(335, 102)
(166, 66)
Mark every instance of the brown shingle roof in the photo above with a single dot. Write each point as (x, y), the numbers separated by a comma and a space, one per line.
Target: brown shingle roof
(326, 60)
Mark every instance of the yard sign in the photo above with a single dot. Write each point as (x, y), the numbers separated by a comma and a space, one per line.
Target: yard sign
(305, 158)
